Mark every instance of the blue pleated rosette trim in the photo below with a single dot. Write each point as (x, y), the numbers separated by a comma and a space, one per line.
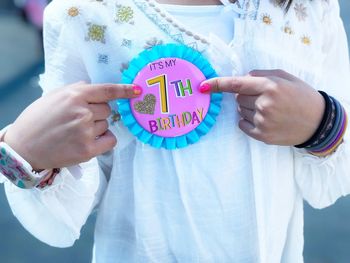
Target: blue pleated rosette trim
(169, 51)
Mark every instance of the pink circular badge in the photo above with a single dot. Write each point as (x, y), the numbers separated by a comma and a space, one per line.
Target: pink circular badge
(171, 104)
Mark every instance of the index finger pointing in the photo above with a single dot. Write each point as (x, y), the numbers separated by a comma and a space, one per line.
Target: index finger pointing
(273, 73)
(100, 93)
(246, 85)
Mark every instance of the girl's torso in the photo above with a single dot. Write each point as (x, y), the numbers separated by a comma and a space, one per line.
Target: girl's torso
(214, 201)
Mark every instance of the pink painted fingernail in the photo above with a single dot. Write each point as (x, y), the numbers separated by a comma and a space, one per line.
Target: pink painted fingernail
(137, 89)
(204, 88)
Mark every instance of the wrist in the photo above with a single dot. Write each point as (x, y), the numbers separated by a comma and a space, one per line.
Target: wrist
(319, 111)
(329, 135)
(20, 148)
(17, 170)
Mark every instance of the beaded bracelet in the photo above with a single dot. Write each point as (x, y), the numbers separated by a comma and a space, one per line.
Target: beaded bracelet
(330, 133)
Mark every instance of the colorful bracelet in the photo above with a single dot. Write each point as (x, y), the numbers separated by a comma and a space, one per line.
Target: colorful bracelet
(336, 142)
(330, 133)
(333, 131)
(325, 126)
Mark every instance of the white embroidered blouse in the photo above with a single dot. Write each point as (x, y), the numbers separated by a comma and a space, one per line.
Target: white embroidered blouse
(227, 198)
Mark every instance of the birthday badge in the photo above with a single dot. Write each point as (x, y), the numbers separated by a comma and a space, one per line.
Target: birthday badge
(171, 113)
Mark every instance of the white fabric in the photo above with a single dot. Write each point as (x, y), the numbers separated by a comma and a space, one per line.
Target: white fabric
(236, 216)
(214, 17)
(63, 207)
(184, 205)
(232, 7)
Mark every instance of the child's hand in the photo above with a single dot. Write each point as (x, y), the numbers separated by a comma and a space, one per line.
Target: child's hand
(67, 126)
(275, 107)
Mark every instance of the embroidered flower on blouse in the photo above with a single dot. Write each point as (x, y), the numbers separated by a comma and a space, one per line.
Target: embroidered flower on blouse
(152, 43)
(287, 29)
(124, 66)
(115, 117)
(306, 40)
(266, 19)
(126, 43)
(125, 14)
(103, 59)
(73, 11)
(96, 33)
(300, 11)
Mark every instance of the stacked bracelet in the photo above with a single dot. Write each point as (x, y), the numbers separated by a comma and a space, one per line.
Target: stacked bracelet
(330, 133)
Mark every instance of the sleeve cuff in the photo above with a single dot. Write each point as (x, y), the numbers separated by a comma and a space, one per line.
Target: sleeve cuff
(56, 213)
(309, 158)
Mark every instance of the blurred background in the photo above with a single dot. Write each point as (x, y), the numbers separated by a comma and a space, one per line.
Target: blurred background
(327, 232)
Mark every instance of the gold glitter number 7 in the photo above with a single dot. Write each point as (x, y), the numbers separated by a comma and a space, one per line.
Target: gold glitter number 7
(162, 81)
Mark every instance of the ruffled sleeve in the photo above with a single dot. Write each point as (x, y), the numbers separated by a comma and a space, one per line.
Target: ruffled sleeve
(323, 180)
(56, 214)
